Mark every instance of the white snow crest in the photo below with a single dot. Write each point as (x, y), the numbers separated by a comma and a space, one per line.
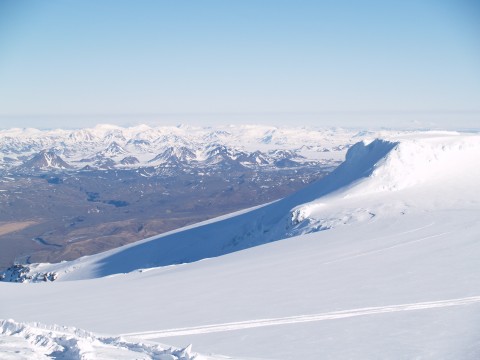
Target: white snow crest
(427, 165)
(34, 340)
(415, 162)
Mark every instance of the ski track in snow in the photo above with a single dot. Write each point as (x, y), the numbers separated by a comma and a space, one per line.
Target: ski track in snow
(242, 325)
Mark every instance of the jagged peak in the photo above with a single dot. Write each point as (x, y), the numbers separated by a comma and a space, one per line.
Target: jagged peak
(44, 160)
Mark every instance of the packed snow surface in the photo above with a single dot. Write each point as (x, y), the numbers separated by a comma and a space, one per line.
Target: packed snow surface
(377, 260)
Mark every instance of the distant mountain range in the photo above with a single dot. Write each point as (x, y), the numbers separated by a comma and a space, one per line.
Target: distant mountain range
(112, 147)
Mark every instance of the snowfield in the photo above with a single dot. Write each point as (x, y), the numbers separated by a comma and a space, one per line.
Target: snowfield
(377, 260)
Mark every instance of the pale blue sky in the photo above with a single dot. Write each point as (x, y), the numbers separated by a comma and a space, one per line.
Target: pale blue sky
(123, 61)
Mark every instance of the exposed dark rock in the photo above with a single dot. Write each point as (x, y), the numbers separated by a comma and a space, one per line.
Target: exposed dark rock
(22, 273)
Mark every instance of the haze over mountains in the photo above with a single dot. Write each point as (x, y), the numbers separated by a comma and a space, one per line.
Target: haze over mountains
(379, 259)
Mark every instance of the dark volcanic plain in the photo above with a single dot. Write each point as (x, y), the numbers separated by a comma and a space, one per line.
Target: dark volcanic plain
(55, 216)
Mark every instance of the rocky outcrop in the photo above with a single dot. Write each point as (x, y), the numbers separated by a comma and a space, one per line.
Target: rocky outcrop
(23, 273)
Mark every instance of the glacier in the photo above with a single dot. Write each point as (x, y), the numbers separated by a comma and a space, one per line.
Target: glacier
(377, 260)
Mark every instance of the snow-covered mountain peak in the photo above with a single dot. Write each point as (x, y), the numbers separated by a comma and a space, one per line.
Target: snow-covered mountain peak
(174, 155)
(114, 149)
(82, 135)
(46, 160)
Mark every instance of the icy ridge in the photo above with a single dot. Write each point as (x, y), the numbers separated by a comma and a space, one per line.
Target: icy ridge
(415, 162)
(426, 166)
(75, 344)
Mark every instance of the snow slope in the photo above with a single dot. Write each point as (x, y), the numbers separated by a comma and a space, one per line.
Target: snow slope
(395, 276)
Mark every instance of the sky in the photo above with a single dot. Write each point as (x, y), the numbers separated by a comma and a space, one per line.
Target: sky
(70, 63)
